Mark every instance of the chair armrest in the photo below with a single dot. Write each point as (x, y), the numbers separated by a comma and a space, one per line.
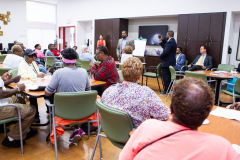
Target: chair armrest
(213, 69)
(153, 66)
(48, 103)
(14, 105)
(179, 75)
(227, 83)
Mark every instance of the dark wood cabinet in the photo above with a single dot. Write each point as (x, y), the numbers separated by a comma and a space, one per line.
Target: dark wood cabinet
(203, 30)
(183, 27)
(111, 29)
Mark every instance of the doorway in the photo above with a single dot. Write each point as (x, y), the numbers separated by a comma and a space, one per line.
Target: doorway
(67, 37)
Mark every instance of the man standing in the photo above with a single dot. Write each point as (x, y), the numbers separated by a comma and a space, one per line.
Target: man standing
(124, 41)
(168, 58)
(180, 60)
(201, 62)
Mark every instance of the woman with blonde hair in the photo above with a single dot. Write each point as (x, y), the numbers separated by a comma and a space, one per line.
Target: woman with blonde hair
(140, 102)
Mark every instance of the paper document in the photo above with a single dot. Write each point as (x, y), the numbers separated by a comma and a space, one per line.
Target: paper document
(226, 113)
(236, 148)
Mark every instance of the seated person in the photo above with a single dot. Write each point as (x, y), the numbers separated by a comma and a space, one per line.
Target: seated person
(69, 79)
(192, 100)
(51, 54)
(27, 111)
(140, 102)
(29, 69)
(22, 46)
(75, 48)
(201, 62)
(106, 70)
(180, 60)
(40, 66)
(13, 60)
(55, 51)
(127, 53)
(38, 51)
(85, 55)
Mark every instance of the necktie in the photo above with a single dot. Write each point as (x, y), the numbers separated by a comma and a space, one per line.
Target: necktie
(177, 57)
(200, 62)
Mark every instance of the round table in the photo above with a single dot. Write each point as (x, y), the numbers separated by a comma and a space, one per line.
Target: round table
(219, 78)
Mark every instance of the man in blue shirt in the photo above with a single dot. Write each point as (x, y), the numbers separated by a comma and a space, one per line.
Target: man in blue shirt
(180, 60)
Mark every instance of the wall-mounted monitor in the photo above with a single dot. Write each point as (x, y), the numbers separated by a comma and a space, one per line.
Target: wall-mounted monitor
(151, 33)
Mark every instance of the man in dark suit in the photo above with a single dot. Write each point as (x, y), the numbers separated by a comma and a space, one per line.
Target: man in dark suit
(168, 58)
(201, 62)
(180, 59)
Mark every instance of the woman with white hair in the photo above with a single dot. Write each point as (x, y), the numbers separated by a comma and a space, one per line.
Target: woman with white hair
(85, 55)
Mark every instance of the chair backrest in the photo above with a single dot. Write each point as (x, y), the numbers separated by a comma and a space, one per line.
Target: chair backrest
(50, 61)
(97, 62)
(186, 62)
(78, 63)
(173, 72)
(2, 58)
(120, 76)
(85, 64)
(14, 72)
(237, 86)
(196, 75)
(159, 69)
(116, 124)
(4, 70)
(75, 105)
(95, 57)
(120, 67)
(225, 67)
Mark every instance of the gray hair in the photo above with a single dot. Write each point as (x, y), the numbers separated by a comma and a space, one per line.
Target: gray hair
(83, 47)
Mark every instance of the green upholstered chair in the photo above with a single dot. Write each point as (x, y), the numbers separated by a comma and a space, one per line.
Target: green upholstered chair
(2, 58)
(157, 74)
(97, 62)
(4, 121)
(50, 63)
(4, 70)
(73, 106)
(185, 66)
(235, 93)
(224, 67)
(14, 72)
(78, 63)
(116, 126)
(201, 76)
(173, 80)
(85, 64)
(120, 76)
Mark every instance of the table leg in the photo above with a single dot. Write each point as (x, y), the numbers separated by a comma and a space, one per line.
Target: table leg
(217, 90)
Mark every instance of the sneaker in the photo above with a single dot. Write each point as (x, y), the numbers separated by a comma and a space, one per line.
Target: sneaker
(81, 132)
(12, 144)
(31, 133)
(75, 137)
(163, 93)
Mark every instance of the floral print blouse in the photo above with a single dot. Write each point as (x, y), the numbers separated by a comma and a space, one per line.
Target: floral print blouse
(140, 102)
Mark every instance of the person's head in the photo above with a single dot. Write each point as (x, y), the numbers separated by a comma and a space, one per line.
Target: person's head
(20, 44)
(132, 69)
(192, 100)
(75, 48)
(203, 49)
(16, 49)
(15, 42)
(128, 50)
(69, 57)
(101, 53)
(124, 34)
(179, 50)
(101, 37)
(50, 46)
(30, 55)
(84, 48)
(38, 46)
(170, 34)
(55, 46)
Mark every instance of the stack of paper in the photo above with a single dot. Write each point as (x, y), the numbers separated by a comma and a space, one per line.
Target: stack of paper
(226, 113)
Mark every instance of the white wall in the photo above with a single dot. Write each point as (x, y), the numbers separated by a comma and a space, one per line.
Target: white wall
(84, 31)
(95, 9)
(18, 24)
(134, 24)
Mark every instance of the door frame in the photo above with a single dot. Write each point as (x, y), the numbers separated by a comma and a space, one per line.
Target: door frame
(63, 27)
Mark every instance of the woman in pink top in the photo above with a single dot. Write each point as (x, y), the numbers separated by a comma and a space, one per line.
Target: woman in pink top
(38, 51)
(192, 100)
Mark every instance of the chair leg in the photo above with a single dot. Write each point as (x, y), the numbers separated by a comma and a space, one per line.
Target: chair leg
(219, 93)
(142, 80)
(158, 85)
(88, 130)
(146, 80)
(96, 142)
(55, 136)
(50, 117)
(5, 130)
(20, 129)
(170, 91)
(168, 88)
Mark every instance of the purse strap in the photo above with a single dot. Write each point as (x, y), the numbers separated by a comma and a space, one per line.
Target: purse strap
(160, 139)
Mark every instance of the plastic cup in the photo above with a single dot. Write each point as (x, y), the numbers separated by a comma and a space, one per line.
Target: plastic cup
(39, 80)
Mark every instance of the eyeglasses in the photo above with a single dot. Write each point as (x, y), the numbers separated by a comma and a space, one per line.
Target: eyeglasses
(31, 56)
(98, 53)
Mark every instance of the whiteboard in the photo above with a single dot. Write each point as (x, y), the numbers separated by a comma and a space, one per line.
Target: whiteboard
(140, 46)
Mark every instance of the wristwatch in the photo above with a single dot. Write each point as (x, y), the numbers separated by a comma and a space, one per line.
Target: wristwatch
(18, 89)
